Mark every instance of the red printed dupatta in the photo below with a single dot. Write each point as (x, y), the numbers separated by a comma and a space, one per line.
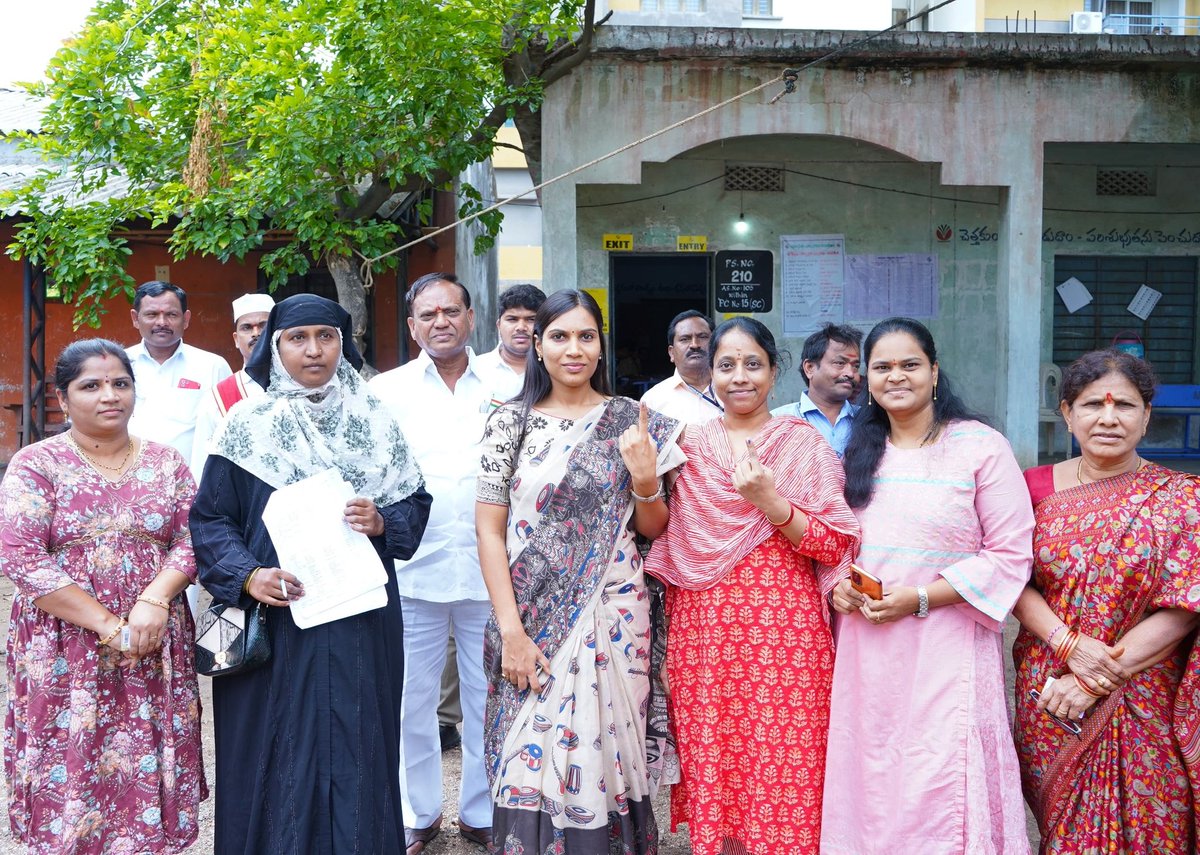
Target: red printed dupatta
(712, 528)
(1105, 555)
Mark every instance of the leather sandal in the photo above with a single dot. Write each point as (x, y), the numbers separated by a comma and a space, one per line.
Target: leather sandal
(416, 839)
(481, 836)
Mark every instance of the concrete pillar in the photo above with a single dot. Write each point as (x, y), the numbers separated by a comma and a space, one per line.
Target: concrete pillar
(559, 237)
(1019, 288)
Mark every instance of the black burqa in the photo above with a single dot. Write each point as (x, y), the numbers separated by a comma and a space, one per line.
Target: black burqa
(307, 747)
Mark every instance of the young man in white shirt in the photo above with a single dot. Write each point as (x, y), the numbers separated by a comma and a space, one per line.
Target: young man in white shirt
(250, 313)
(515, 314)
(442, 400)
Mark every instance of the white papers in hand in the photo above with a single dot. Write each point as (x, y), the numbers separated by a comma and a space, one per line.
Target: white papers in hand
(339, 568)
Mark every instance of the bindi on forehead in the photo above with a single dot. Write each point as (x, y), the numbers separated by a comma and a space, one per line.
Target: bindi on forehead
(1108, 397)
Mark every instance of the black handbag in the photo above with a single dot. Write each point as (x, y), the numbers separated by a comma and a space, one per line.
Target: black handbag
(230, 640)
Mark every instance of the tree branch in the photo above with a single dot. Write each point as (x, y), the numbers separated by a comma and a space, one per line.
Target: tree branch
(369, 201)
(575, 52)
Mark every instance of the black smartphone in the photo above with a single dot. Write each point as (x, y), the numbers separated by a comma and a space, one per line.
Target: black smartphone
(1068, 726)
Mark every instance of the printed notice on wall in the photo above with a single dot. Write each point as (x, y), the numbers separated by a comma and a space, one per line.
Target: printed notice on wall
(881, 286)
(1144, 301)
(811, 287)
(1074, 294)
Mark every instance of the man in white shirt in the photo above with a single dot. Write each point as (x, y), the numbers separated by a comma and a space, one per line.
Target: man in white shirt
(830, 365)
(442, 400)
(172, 378)
(687, 395)
(516, 310)
(250, 313)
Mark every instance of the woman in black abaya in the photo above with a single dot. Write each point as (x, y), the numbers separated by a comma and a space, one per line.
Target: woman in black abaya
(308, 745)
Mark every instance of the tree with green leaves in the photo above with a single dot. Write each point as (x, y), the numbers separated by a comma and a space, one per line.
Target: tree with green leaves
(228, 120)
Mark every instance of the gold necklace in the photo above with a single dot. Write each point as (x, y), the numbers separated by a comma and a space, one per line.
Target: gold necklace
(1079, 471)
(97, 463)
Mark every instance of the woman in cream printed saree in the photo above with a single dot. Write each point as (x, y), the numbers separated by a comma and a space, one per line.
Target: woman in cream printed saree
(568, 475)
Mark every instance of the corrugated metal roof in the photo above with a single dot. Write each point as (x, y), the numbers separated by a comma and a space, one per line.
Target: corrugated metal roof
(19, 111)
(116, 187)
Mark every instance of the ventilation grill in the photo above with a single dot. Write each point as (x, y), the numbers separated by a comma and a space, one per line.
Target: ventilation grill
(1125, 182)
(760, 179)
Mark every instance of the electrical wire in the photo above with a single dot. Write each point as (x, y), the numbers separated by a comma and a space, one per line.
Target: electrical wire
(788, 77)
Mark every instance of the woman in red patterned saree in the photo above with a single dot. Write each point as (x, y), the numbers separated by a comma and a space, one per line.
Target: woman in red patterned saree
(758, 535)
(1108, 680)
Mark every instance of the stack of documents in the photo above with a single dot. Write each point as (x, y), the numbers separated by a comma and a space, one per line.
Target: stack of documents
(338, 567)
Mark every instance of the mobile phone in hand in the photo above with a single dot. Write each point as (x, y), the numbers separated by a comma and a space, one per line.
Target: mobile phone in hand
(865, 583)
(1068, 726)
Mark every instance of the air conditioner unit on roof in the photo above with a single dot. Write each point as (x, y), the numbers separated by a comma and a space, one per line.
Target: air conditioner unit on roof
(1087, 22)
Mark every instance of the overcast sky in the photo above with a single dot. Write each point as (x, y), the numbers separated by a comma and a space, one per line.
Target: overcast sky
(33, 32)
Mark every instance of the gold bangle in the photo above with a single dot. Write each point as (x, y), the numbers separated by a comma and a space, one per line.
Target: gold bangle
(154, 602)
(249, 579)
(791, 516)
(106, 639)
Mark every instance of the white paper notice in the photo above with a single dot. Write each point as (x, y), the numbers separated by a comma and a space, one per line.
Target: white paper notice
(811, 281)
(1144, 301)
(879, 286)
(339, 568)
(1075, 295)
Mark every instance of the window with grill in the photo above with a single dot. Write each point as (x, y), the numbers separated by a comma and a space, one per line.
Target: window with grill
(1125, 182)
(1168, 334)
(756, 8)
(762, 179)
(1140, 13)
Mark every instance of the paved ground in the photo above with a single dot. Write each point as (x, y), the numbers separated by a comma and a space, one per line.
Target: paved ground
(447, 843)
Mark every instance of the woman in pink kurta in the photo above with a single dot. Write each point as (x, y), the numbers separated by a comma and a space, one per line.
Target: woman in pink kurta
(921, 757)
(102, 736)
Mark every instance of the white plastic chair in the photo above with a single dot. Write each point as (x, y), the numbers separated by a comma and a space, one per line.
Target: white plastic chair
(1049, 395)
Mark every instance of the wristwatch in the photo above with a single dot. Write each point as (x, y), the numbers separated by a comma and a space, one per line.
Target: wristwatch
(922, 602)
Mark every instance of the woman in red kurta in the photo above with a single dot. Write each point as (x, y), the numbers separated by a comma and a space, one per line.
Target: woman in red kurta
(758, 534)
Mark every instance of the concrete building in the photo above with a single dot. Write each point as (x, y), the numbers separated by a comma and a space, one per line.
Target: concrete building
(973, 173)
(1131, 17)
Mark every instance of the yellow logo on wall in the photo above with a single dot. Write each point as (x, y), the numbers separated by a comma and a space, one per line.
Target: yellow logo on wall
(618, 242)
(691, 243)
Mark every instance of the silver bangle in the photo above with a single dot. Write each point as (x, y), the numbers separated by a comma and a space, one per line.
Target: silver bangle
(922, 602)
(646, 500)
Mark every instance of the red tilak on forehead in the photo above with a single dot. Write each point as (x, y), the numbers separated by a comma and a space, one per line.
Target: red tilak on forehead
(1108, 398)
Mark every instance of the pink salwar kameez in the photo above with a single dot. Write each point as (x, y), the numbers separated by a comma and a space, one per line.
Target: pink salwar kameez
(921, 756)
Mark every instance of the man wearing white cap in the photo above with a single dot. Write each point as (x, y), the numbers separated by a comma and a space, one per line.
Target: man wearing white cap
(250, 313)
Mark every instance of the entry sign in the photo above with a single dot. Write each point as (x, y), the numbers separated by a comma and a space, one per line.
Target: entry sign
(745, 280)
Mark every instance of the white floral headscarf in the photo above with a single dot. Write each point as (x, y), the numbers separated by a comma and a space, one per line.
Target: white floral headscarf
(295, 431)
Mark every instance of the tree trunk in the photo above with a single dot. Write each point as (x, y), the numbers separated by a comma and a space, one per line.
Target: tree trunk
(352, 295)
(529, 126)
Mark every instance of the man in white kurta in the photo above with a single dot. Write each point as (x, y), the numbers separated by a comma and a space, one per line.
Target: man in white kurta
(442, 400)
(171, 378)
(516, 310)
(250, 313)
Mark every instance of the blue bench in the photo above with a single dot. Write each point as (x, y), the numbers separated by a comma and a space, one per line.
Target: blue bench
(1174, 423)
